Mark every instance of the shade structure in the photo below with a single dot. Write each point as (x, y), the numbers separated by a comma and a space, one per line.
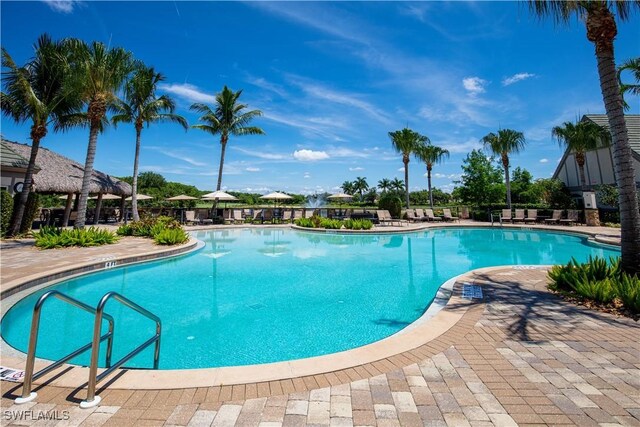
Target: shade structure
(140, 197)
(219, 195)
(340, 196)
(181, 197)
(105, 197)
(276, 196)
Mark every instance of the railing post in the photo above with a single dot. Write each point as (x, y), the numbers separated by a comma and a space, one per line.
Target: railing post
(27, 394)
(93, 400)
(156, 353)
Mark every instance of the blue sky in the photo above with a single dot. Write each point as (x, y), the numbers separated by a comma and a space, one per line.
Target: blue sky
(332, 78)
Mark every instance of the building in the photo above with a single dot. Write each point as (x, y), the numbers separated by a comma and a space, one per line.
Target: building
(13, 167)
(599, 166)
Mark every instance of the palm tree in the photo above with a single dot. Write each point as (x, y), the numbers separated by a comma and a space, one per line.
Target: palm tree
(601, 31)
(632, 65)
(228, 118)
(430, 154)
(580, 138)
(37, 92)
(98, 72)
(384, 185)
(405, 141)
(347, 187)
(505, 142)
(397, 185)
(141, 106)
(360, 185)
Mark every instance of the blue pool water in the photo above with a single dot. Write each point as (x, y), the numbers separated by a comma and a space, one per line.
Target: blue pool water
(264, 295)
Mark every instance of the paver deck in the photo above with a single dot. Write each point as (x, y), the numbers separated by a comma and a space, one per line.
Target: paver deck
(520, 356)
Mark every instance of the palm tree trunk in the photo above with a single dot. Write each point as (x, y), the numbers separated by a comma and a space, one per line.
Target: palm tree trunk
(507, 178)
(223, 142)
(18, 212)
(86, 178)
(628, 198)
(134, 184)
(429, 185)
(580, 162)
(406, 179)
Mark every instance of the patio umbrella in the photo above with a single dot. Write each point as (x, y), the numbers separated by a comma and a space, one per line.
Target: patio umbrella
(105, 197)
(340, 197)
(276, 196)
(140, 197)
(219, 195)
(180, 198)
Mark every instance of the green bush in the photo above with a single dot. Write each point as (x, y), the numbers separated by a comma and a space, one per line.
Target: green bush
(51, 237)
(171, 236)
(597, 280)
(6, 207)
(330, 224)
(392, 203)
(304, 222)
(358, 224)
(31, 210)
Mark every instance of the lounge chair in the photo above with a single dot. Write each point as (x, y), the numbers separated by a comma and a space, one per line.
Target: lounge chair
(411, 216)
(202, 217)
(573, 217)
(267, 215)
(257, 215)
(238, 218)
(227, 216)
(430, 216)
(506, 215)
(297, 214)
(555, 217)
(286, 215)
(532, 216)
(446, 214)
(384, 217)
(308, 213)
(190, 217)
(420, 215)
(519, 217)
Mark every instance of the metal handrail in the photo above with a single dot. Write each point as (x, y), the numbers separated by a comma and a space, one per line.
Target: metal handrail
(94, 378)
(29, 376)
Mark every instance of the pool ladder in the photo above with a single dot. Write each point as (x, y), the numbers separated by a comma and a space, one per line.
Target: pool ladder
(94, 345)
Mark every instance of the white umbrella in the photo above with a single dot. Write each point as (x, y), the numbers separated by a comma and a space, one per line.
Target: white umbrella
(106, 197)
(140, 197)
(340, 196)
(276, 196)
(219, 195)
(181, 197)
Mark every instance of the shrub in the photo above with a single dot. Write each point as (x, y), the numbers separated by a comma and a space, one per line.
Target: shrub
(51, 237)
(30, 211)
(597, 280)
(171, 236)
(392, 203)
(330, 224)
(304, 222)
(125, 230)
(358, 224)
(6, 202)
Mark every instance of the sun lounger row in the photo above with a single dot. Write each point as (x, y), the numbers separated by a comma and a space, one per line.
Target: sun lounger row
(427, 215)
(573, 216)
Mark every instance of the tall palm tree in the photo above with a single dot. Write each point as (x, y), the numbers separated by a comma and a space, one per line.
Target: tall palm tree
(37, 92)
(601, 28)
(580, 138)
(397, 185)
(228, 118)
(632, 65)
(384, 185)
(430, 154)
(360, 185)
(503, 143)
(347, 187)
(142, 106)
(405, 141)
(99, 73)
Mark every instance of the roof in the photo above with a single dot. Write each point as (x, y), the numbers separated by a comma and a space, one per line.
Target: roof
(9, 159)
(633, 128)
(59, 174)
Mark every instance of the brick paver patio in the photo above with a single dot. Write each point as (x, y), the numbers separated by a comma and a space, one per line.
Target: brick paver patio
(521, 356)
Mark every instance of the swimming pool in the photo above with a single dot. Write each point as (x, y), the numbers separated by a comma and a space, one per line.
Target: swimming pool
(255, 296)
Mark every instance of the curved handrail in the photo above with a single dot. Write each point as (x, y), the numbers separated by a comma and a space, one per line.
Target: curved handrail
(94, 378)
(29, 376)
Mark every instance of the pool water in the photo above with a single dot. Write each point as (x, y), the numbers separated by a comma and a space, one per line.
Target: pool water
(264, 295)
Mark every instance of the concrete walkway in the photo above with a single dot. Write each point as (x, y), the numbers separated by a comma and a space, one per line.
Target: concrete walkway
(521, 356)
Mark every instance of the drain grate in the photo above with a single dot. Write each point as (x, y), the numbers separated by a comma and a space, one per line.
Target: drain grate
(471, 291)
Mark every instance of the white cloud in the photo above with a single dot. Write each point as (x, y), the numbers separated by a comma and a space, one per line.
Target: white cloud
(357, 168)
(544, 160)
(307, 175)
(188, 92)
(474, 85)
(450, 176)
(461, 147)
(516, 78)
(309, 155)
(260, 154)
(345, 152)
(401, 169)
(252, 169)
(62, 6)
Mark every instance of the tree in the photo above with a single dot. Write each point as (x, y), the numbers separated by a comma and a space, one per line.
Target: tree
(601, 28)
(430, 154)
(503, 143)
(38, 92)
(384, 185)
(580, 138)
(481, 180)
(522, 187)
(98, 74)
(554, 193)
(632, 65)
(347, 187)
(405, 141)
(397, 185)
(151, 180)
(360, 185)
(142, 106)
(227, 118)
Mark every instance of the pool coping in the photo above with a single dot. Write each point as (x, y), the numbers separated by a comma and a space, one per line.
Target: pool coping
(444, 313)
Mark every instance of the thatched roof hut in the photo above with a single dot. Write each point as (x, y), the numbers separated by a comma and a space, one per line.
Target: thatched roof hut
(59, 174)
